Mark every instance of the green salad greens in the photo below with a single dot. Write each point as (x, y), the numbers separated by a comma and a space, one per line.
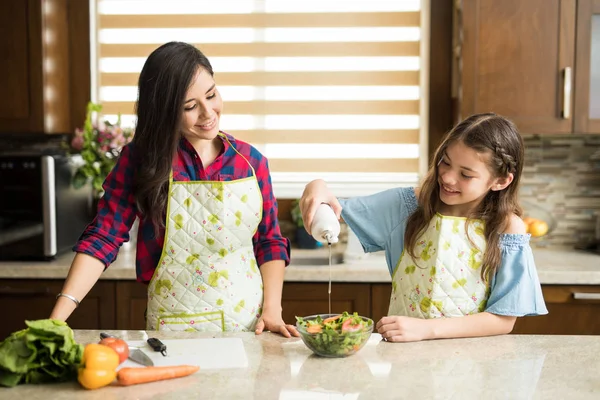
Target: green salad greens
(335, 335)
(45, 351)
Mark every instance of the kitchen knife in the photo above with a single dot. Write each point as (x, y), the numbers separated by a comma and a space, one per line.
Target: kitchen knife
(135, 354)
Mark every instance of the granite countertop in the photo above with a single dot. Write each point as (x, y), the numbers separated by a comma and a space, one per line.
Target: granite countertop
(556, 267)
(502, 367)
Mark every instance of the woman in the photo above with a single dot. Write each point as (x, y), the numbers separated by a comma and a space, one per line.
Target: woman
(209, 245)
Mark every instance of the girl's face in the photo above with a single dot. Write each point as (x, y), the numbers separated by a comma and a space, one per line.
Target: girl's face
(465, 179)
(202, 108)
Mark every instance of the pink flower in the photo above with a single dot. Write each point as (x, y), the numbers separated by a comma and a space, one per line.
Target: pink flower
(77, 142)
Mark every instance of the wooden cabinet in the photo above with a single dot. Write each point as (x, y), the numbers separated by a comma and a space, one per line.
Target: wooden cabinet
(132, 299)
(536, 62)
(515, 58)
(34, 73)
(572, 310)
(45, 68)
(587, 70)
(26, 299)
(380, 300)
(302, 299)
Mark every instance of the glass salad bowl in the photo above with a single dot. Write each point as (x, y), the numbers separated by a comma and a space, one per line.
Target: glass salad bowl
(335, 335)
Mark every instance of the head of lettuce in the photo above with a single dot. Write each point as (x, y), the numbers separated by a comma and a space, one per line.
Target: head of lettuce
(43, 352)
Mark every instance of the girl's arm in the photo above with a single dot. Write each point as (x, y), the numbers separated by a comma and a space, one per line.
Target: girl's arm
(481, 324)
(408, 329)
(316, 193)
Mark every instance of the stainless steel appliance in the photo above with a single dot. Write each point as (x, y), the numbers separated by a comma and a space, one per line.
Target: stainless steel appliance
(41, 214)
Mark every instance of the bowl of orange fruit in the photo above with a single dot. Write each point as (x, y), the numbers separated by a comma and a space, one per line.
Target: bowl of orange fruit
(539, 222)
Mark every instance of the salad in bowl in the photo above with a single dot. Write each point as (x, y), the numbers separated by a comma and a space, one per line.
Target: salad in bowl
(334, 335)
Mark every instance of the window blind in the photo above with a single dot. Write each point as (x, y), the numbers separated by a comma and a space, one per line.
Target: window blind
(329, 88)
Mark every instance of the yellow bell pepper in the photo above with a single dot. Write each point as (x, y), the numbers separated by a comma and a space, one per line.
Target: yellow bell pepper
(98, 366)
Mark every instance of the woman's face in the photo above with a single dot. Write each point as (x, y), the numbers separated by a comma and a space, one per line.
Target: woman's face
(202, 108)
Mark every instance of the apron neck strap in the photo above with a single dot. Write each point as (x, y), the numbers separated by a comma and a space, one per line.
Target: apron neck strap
(240, 154)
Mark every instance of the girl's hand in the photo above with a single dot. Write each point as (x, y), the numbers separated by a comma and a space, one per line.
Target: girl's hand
(272, 321)
(316, 193)
(403, 329)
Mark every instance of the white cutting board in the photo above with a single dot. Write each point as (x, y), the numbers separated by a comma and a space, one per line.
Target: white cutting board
(213, 353)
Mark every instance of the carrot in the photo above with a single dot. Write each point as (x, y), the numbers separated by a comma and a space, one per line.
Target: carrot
(133, 376)
(330, 319)
(314, 329)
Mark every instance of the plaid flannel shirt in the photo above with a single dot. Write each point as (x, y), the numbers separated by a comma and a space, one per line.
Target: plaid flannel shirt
(117, 209)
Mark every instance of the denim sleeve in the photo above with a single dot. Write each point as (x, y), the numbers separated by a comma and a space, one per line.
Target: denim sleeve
(373, 218)
(516, 289)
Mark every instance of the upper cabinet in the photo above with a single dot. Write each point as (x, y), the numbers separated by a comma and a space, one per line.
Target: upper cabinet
(587, 70)
(530, 61)
(44, 71)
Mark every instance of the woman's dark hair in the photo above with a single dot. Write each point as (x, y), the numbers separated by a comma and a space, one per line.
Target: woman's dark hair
(488, 134)
(162, 86)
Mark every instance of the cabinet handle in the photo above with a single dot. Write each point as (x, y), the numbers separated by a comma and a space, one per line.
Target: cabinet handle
(566, 111)
(7, 290)
(586, 296)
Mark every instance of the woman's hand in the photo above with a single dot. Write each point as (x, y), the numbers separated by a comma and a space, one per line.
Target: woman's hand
(404, 329)
(315, 194)
(273, 322)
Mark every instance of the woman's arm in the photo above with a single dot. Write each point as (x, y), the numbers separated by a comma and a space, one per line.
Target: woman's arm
(408, 329)
(83, 275)
(272, 254)
(100, 242)
(272, 275)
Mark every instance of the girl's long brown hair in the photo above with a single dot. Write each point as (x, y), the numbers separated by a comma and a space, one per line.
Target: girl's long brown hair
(485, 133)
(163, 84)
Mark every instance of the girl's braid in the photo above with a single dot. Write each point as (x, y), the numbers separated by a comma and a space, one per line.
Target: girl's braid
(509, 162)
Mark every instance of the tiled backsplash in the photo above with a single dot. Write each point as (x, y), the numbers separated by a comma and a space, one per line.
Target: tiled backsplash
(562, 175)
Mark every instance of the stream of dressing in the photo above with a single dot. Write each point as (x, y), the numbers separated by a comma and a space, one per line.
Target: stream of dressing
(329, 289)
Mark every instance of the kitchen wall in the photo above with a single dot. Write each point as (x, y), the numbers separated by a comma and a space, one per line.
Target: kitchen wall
(562, 175)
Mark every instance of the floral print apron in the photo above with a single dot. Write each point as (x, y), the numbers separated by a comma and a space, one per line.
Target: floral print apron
(207, 278)
(445, 279)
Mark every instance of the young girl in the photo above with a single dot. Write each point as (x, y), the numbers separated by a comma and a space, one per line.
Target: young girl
(455, 248)
(209, 238)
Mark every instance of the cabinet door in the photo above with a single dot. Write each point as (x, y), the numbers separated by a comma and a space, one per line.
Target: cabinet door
(37, 75)
(302, 299)
(587, 76)
(132, 298)
(25, 299)
(572, 310)
(515, 57)
(380, 300)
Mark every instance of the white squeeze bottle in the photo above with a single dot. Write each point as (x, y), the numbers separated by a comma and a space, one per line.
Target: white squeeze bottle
(325, 227)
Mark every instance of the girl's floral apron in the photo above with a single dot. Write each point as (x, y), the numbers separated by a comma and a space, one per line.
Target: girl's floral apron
(207, 278)
(445, 279)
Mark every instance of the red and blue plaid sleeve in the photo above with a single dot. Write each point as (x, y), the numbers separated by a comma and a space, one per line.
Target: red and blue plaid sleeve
(269, 244)
(117, 210)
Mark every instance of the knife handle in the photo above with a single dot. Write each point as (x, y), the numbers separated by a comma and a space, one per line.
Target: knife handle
(105, 335)
(157, 345)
